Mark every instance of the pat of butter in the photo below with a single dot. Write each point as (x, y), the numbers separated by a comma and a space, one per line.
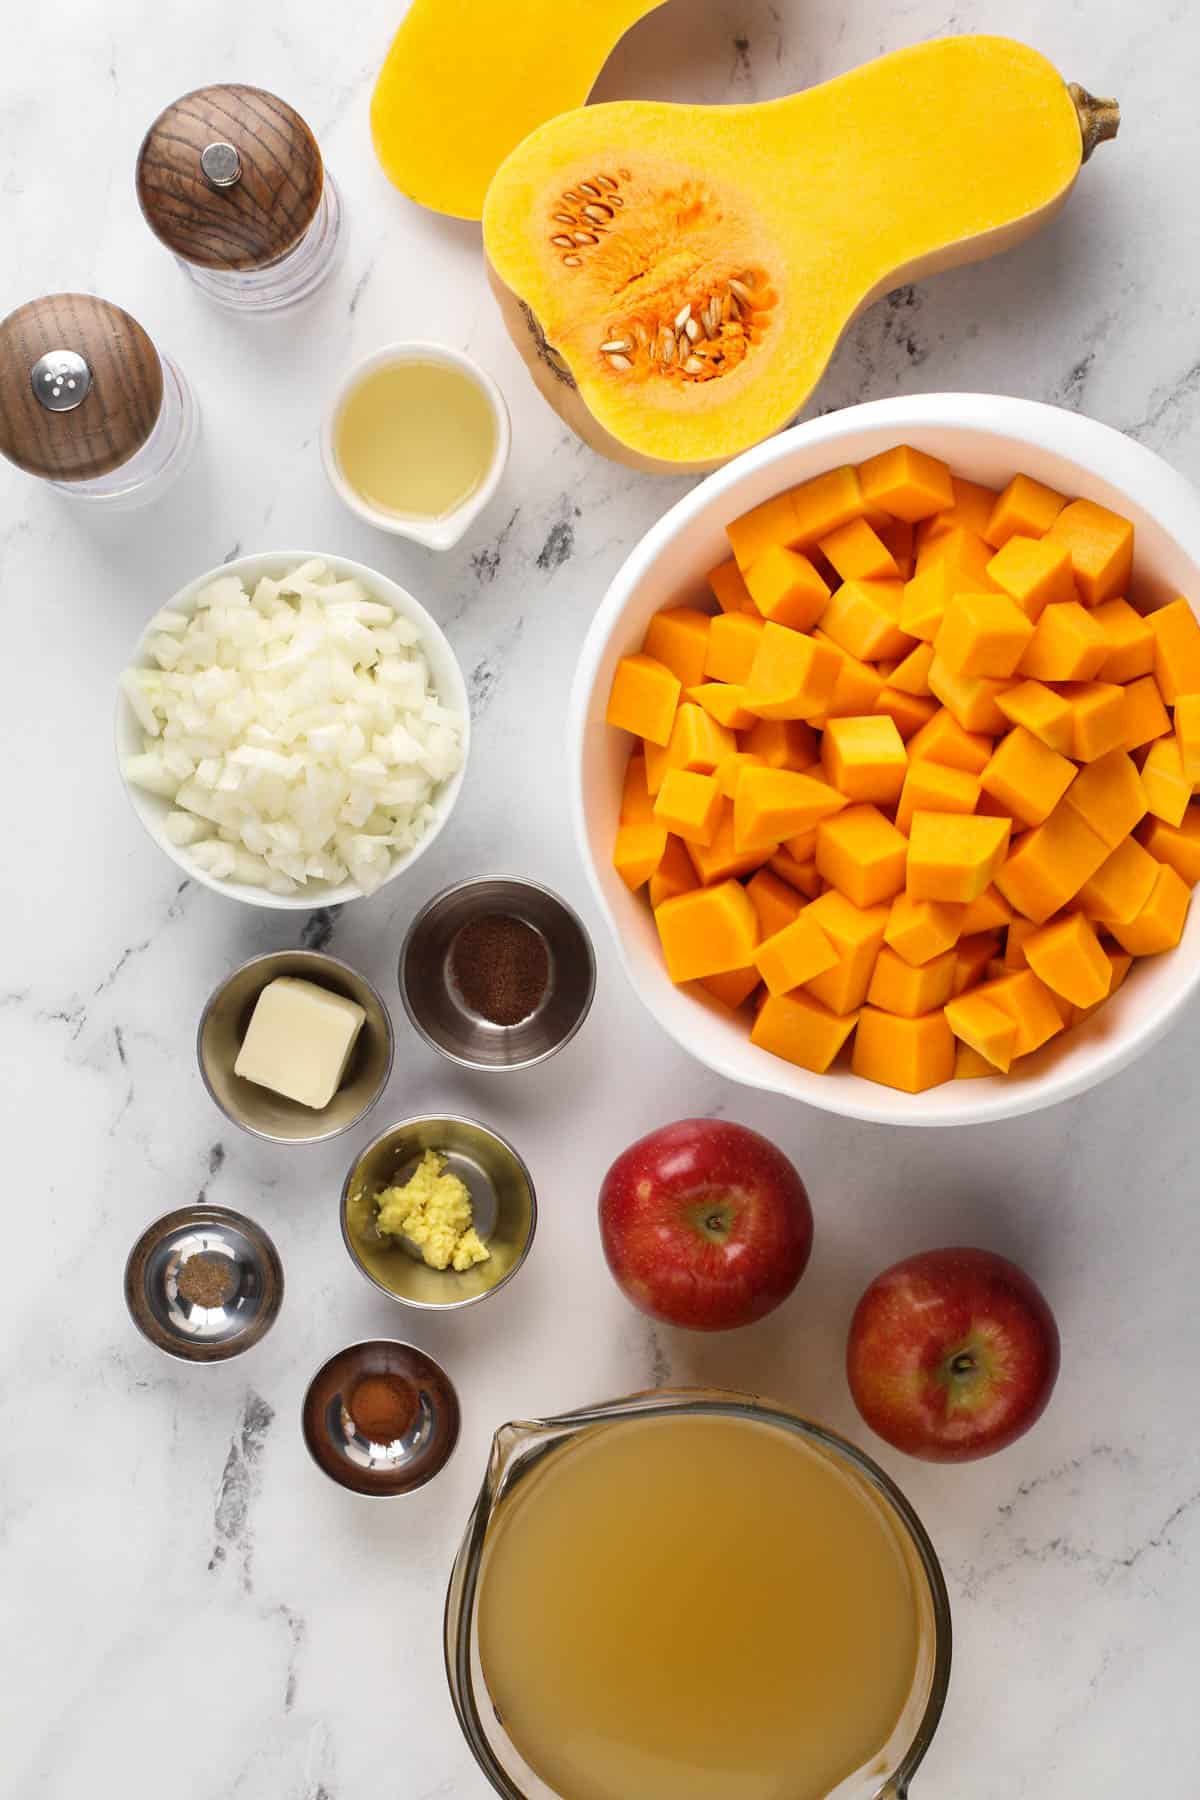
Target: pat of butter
(299, 1040)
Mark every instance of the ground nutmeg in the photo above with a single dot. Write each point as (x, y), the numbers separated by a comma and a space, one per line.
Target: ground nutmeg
(501, 968)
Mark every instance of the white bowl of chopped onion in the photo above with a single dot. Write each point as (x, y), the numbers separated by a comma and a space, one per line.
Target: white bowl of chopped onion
(293, 729)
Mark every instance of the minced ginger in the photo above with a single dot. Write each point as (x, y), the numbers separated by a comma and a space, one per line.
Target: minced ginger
(432, 1209)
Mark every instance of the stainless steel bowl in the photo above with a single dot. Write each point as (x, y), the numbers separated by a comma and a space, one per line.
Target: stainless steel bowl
(256, 1109)
(203, 1248)
(360, 1462)
(502, 1200)
(436, 1006)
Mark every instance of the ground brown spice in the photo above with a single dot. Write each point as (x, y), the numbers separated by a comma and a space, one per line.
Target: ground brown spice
(501, 967)
(382, 1407)
(206, 1280)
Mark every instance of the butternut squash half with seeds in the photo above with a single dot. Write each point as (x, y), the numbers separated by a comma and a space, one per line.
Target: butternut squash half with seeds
(677, 277)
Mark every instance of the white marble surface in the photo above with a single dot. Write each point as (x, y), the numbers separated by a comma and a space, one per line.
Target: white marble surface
(189, 1607)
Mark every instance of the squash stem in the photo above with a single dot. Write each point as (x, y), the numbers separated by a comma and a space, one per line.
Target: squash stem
(1099, 120)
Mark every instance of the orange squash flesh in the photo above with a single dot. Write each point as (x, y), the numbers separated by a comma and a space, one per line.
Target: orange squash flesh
(717, 254)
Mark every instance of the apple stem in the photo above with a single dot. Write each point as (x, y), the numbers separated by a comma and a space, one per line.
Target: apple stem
(963, 1364)
(714, 1222)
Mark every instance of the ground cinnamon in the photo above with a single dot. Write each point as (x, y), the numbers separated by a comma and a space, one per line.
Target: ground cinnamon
(501, 967)
(382, 1407)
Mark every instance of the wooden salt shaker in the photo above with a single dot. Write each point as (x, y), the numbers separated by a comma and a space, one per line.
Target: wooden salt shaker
(230, 179)
(88, 403)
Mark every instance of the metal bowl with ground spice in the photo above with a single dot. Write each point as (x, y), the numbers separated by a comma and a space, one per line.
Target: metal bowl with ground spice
(497, 973)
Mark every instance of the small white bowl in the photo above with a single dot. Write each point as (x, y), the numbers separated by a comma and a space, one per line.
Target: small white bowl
(443, 666)
(435, 534)
(986, 438)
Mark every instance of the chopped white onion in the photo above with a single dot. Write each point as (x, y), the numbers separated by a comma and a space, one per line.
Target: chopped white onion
(296, 731)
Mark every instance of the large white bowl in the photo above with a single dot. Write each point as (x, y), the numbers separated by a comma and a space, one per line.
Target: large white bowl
(985, 438)
(443, 666)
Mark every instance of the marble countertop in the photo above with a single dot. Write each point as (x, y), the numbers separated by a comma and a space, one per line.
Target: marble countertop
(190, 1607)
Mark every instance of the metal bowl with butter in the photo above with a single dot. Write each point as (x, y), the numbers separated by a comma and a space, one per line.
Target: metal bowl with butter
(503, 1209)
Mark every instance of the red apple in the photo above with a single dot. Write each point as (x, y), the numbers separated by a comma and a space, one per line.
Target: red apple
(952, 1354)
(705, 1224)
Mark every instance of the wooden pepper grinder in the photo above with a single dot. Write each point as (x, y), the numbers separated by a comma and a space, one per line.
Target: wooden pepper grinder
(88, 404)
(230, 179)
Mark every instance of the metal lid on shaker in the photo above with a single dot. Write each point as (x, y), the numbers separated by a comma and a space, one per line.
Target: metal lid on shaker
(229, 178)
(81, 387)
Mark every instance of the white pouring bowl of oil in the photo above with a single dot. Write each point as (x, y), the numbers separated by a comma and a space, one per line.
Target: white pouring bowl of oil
(416, 440)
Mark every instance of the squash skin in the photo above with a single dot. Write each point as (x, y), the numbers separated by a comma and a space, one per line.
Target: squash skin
(999, 163)
(465, 80)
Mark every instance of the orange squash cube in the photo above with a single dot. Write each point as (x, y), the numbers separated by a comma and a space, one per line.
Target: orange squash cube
(1027, 1000)
(943, 740)
(971, 958)
(689, 805)
(984, 1027)
(864, 759)
(1067, 956)
(637, 853)
(899, 536)
(863, 618)
(1159, 925)
(907, 483)
(637, 807)
(856, 933)
(1145, 716)
(1176, 650)
(773, 522)
(729, 587)
(1035, 573)
(926, 597)
(1122, 884)
(857, 688)
(734, 988)
(935, 787)
(911, 674)
(1067, 645)
(983, 634)
(1050, 864)
(791, 677)
(919, 930)
(803, 847)
(677, 637)
(1178, 845)
(908, 712)
(697, 742)
(674, 874)
(1041, 712)
(1187, 734)
(1014, 943)
(1098, 717)
(1101, 546)
(862, 855)
(1108, 795)
(819, 506)
(800, 875)
(723, 859)
(643, 698)
(973, 504)
(964, 558)
(1026, 778)
(1130, 642)
(722, 701)
(729, 771)
(783, 743)
(733, 640)
(858, 553)
(794, 955)
(786, 588)
(908, 1054)
(775, 902)
(954, 856)
(991, 912)
(707, 932)
(1026, 507)
(911, 989)
(971, 698)
(1167, 789)
(773, 804)
(969, 1065)
(801, 1030)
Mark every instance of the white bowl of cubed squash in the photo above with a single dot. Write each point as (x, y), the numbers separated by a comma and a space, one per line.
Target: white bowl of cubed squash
(885, 744)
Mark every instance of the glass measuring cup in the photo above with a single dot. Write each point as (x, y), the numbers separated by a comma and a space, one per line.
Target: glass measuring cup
(521, 1448)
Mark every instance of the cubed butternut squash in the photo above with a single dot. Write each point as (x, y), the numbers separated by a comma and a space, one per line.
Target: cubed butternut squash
(729, 588)
(783, 743)
(773, 522)
(1027, 507)
(907, 483)
(1026, 778)
(674, 874)
(1121, 886)
(1067, 645)
(985, 1027)
(723, 701)
(924, 602)
(819, 506)
(637, 853)
(1130, 642)
(935, 787)
(697, 742)
(983, 634)
(1030, 1004)
(858, 553)
(799, 1029)
(908, 1054)
(733, 640)
(773, 804)
(864, 759)
(943, 740)
(919, 930)
(971, 958)
(954, 856)
(971, 698)
(862, 855)
(1144, 716)
(970, 1065)
(677, 637)
(792, 676)
(1068, 957)
(908, 712)
(972, 509)
(1167, 789)
(1050, 864)
(707, 932)
(800, 875)
(911, 989)
(723, 858)
(1109, 796)
(1176, 650)
(734, 988)
(794, 955)
(1035, 573)
(856, 933)
(1187, 734)
(776, 903)
(911, 674)
(1101, 546)
(643, 698)
(689, 805)
(1041, 712)
(1178, 845)
(1098, 717)
(1159, 925)
(786, 588)
(863, 618)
